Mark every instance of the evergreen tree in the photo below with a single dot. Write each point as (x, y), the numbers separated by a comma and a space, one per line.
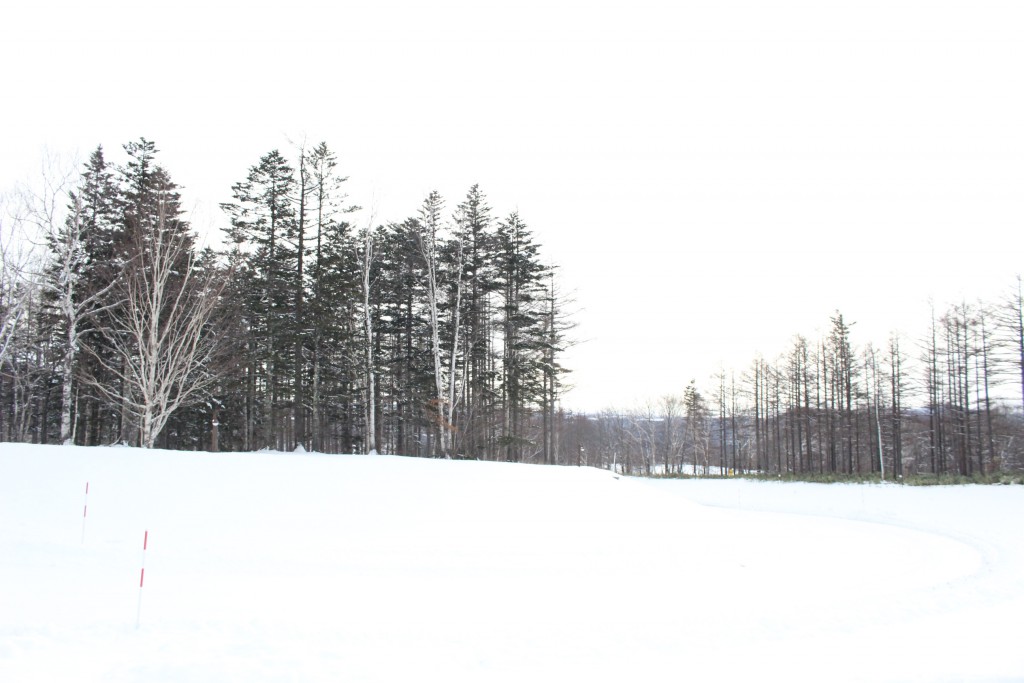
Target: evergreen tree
(405, 338)
(476, 235)
(556, 326)
(97, 207)
(520, 275)
(333, 295)
(263, 226)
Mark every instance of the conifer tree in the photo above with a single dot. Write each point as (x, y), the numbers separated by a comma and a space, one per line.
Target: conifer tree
(476, 234)
(555, 340)
(519, 273)
(97, 206)
(333, 293)
(263, 226)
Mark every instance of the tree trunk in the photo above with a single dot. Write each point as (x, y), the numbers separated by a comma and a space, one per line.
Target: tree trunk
(371, 378)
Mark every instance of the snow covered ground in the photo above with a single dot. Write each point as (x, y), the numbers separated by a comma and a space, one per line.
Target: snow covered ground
(304, 567)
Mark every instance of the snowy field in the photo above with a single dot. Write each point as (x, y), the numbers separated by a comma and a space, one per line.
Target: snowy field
(289, 567)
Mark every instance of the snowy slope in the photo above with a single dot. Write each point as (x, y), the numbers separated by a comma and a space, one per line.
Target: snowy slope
(288, 567)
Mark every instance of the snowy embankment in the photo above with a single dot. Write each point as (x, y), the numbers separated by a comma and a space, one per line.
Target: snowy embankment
(271, 567)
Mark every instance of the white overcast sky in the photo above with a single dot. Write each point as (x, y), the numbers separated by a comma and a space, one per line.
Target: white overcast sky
(713, 177)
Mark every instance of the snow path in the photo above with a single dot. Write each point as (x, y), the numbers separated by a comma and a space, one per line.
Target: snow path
(305, 567)
(965, 627)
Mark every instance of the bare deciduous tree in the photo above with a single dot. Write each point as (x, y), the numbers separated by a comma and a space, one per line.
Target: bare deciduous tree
(165, 344)
(1010, 320)
(56, 215)
(14, 280)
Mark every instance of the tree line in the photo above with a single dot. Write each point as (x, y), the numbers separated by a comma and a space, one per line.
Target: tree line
(949, 402)
(438, 335)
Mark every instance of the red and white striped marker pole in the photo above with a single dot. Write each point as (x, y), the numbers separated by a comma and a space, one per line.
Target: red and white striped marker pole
(85, 510)
(142, 579)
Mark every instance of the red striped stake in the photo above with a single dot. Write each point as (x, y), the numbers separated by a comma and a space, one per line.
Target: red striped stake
(85, 510)
(142, 579)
